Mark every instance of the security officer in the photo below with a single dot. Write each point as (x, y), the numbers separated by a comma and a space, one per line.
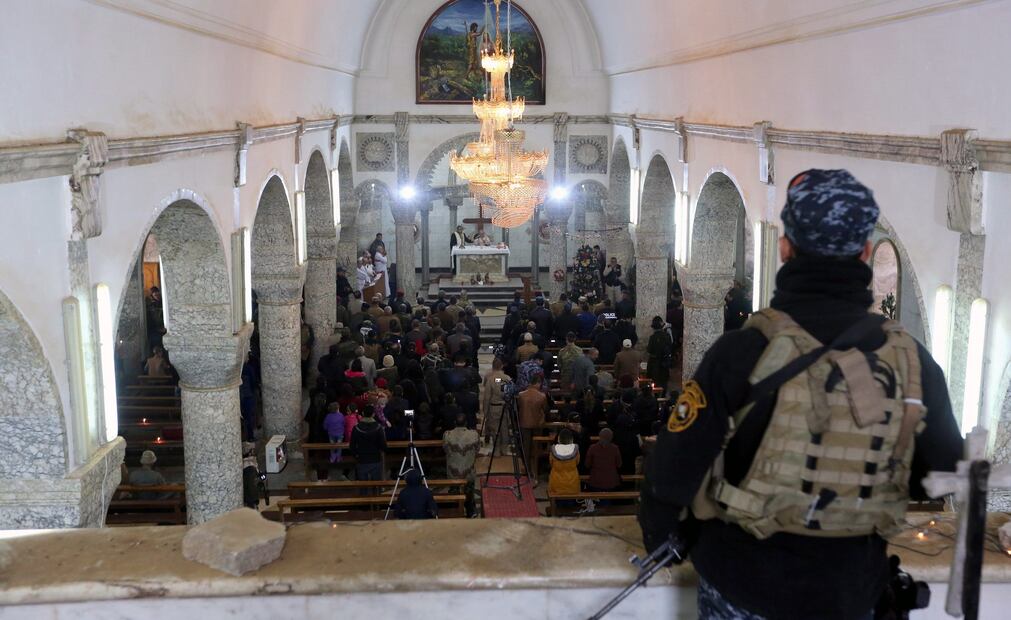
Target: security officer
(786, 462)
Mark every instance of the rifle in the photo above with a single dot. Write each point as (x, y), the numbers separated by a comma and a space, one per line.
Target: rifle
(672, 551)
(969, 483)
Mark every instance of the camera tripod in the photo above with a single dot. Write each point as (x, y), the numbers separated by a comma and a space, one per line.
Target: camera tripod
(408, 463)
(520, 463)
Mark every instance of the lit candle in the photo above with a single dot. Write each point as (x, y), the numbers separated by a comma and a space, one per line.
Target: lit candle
(921, 535)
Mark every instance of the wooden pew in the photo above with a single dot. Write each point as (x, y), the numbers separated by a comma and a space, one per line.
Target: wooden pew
(150, 401)
(609, 496)
(126, 509)
(317, 453)
(150, 390)
(358, 508)
(353, 488)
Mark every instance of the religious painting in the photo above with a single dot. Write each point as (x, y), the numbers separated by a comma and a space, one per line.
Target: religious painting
(449, 53)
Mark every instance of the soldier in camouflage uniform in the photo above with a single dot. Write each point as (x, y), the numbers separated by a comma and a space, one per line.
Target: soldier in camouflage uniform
(800, 439)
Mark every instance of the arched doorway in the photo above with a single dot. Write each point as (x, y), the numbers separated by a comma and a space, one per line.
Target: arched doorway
(205, 353)
(320, 293)
(718, 254)
(887, 277)
(277, 282)
(375, 214)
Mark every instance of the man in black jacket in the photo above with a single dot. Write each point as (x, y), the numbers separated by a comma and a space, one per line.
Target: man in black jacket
(822, 287)
(541, 316)
(608, 343)
(368, 443)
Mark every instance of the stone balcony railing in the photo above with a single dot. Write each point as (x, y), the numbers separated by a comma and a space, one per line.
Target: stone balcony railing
(539, 568)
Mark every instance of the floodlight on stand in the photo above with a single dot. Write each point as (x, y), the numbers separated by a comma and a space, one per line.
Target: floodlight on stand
(682, 228)
(107, 361)
(75, 363)
(242, 298)
(335, 196)
(559, 192)
(633, 197)
(408, 192)
(940, 341)
(301, 240)
(978, 315)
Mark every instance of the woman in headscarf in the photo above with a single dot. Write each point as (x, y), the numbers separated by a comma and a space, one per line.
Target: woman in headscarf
(564, 477)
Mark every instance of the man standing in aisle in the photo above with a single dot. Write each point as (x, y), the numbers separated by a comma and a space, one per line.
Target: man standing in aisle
(802, 437)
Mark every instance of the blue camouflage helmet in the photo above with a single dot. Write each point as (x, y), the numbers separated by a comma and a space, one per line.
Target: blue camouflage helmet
(829, 213)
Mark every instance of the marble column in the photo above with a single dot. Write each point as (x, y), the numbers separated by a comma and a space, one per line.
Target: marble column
(403, 218)
(704, 295)
(558, 219)
(650, 283)
(280, 361)
(968, 287)
(209, 377)
(454, 205)
(320, 295)
(426, 249)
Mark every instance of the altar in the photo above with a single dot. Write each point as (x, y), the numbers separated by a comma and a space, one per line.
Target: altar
(472, 260)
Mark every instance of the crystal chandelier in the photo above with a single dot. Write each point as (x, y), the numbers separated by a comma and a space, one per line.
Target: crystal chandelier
(497, 166)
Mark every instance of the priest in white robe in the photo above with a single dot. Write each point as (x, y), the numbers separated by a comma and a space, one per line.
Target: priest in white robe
(381, 266)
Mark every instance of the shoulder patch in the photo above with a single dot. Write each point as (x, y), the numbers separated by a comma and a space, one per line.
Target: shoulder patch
(686, 410)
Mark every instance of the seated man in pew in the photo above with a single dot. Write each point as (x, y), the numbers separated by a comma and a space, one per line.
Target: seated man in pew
(416, 500)
(146, 476)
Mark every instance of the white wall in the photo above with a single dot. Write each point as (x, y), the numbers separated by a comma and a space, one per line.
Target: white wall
(875, 68)
(574, 81)
(915, 76)
(84, 64)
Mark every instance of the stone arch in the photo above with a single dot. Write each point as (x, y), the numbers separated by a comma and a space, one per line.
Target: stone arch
(719, 214)
(659, 196)
(205, 350)
(320, 291)
(348, 244)
(195, 279)
(31, 412)
(346, 181)
(277, 282)
(715, 253)
(273, 248)
(318, 204)
(653, 236)
(619, 186)
(423, 182)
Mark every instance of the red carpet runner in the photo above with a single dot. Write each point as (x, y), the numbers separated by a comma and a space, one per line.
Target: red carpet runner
(502, 503)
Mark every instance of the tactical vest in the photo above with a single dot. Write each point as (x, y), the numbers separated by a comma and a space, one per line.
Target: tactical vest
(835, 458)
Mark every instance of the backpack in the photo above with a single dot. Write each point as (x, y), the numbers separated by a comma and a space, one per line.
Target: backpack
(835, 458)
